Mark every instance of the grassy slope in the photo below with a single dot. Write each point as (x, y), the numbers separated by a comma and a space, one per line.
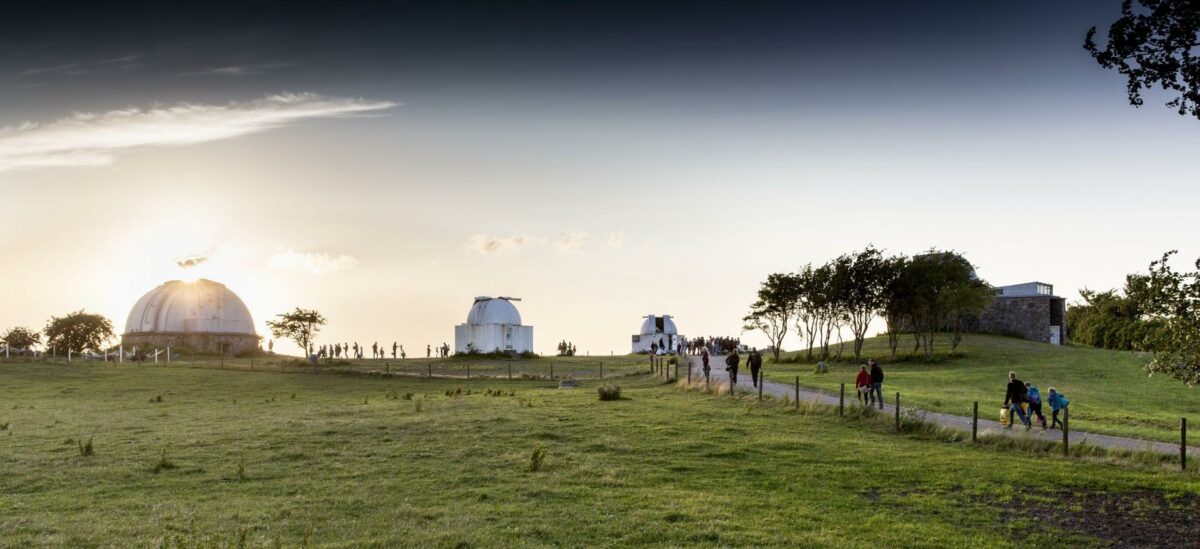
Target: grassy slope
(349, 461)
(1110, 392)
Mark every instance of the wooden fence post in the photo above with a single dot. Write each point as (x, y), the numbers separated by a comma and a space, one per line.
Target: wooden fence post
(760, 384)
(689, 373)
(975, 423)
(510, 371)
(1183, 444)
(897, 411)
(387, 367)
(551, 371)
(468, 370)
(429, 365)
(1066, 430)
(797, 392)
(842, 401)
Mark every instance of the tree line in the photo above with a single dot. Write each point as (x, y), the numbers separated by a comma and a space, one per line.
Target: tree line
(925, 294)
(1157, 311)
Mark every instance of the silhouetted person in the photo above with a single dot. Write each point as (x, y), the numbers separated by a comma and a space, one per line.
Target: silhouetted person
(429, 351)
(876, 381)
(731, 366)
(394, 347)
(755, 362)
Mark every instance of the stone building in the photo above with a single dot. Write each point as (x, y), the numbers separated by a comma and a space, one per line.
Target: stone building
(493, 324)
(1030, 310)
(200, 316)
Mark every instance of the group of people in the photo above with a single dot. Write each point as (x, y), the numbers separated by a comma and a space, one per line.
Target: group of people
(1023, 400)
(338, 350)
(868, 384)
(713, 345)
(347, 350)
(753, 359)
(566, 348)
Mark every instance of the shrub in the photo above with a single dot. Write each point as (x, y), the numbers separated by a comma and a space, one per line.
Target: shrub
(4, 426)
(537, 458)
(163, 462)
(85, 448)
(609, 391)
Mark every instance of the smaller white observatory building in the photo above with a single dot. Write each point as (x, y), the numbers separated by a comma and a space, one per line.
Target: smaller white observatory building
(494, 324)
(658, 332)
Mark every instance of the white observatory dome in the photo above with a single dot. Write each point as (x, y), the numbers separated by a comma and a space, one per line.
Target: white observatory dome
(493, 310)
(650, 325)
(196, 307)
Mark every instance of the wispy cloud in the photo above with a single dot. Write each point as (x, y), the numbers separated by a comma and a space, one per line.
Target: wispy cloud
(66, 68)
(238, 70)
(94, 139)
(616, 239)
(189, 262)
(487, 244)
(316, 263)
(572, 241)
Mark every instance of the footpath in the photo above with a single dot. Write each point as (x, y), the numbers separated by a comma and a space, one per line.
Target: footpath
(719, 377)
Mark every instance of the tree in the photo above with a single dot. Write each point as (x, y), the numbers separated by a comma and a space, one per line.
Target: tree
(1174, 299)
(1154, 45)
(78, 332)
(1112, 320)
(807, 307)
(864, 293)
(299, 326)
(966, 298)
(21, 338)
(941, 284)
(773, 310)
(896, 298)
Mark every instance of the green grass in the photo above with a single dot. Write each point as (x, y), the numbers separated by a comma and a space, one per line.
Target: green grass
(261, 458)
(1110, 392)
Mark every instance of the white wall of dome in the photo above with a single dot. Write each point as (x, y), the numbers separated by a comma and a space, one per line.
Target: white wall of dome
(658, 333)
(493, 324)
(202, 306)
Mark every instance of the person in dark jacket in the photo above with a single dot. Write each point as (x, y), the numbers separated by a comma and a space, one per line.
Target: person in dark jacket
(755, 362)
(1013, 397)
(731, 365)
(876, 382)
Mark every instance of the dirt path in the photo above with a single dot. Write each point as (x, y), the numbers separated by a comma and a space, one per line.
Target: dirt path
(778, 390)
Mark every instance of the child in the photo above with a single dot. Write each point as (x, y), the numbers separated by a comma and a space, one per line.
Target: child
(1058, 401)
(862, 384)
(1035, 403)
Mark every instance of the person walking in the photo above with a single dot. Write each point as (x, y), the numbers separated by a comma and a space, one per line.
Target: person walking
(731, 365)
(1058, 402)
(704, 361)
(1035, 404)
(755, 362)
(428, 351)
(395, 346)
(862, 386)
(876, 382)
(1014, 396)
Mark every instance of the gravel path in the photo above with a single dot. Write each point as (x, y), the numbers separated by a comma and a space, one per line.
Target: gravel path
(778, 390)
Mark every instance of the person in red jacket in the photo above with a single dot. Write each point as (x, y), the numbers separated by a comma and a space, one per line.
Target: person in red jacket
(862, 385)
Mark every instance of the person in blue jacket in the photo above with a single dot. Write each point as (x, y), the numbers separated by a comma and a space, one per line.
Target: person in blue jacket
(1058, 401)
(1034, 398)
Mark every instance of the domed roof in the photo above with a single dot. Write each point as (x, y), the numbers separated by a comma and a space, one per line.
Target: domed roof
(650, 325)
(202, 306)
(494, 310)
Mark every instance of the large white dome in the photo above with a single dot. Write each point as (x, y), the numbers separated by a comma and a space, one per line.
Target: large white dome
(202, 306)
(493, 310)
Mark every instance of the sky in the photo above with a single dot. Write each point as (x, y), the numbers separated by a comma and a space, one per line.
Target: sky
(602, 161)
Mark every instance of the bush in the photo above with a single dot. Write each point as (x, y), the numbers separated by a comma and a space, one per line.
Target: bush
(609, 391)
(85, 448)
(537, 458)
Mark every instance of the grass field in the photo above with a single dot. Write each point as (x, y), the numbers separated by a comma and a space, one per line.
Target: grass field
(1110, 392)
(231, 458)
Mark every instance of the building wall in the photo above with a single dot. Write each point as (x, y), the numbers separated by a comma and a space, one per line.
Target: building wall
(487, 338)
(231, 344)
(1030, 317)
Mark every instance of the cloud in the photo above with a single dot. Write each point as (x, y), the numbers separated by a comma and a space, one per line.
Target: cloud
(487, 244)
(316, 263)
(95, 139)
(238, 70)
(189, 262)
(616, 239)
(572, 241)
